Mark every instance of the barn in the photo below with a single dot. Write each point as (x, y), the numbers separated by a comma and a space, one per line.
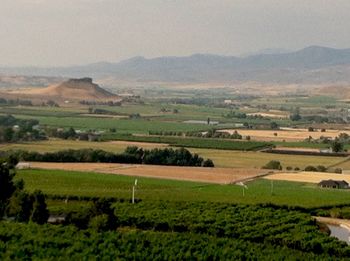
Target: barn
(335, 184)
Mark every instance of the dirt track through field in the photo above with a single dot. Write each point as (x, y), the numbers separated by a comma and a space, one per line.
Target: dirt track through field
(199, 174)
(309, 177)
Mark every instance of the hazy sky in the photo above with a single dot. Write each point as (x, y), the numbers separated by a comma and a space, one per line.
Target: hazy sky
(66, 32)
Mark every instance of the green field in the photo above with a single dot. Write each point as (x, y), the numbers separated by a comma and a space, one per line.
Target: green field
(106, 185)
(209, 143)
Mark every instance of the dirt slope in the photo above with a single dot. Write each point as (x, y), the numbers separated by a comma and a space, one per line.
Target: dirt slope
(73, 89)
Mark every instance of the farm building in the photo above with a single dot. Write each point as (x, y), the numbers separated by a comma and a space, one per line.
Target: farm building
(23, 165)
(337, 184)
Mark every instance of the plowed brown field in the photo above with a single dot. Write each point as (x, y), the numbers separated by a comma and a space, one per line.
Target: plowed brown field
(207, 175)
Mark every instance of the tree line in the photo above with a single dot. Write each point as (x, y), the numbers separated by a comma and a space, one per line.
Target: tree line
(133, 154)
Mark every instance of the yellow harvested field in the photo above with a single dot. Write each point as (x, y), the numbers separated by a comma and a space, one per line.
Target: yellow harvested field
(57, 145)
(309, 177)
(269, 115)
(286, 134)
(199, 174)
(253, 159)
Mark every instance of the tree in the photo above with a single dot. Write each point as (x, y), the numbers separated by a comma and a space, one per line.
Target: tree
(337, 146)
(208, 163)
(273, 164)
(39, 214)
(295, 117)
(20, 206)
(274, 125)
(7, 185)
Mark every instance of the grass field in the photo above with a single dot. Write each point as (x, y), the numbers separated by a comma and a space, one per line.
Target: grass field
(259, 191)
(209, 143)
(121, 125)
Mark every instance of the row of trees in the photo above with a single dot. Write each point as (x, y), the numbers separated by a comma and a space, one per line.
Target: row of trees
(135, 155)
(209, 134)
(12, 102)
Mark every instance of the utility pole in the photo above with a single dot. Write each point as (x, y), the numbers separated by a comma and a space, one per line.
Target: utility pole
(133, 192)
(271, 187)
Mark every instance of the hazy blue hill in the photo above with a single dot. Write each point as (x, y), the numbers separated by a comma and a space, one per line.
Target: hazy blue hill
(314, 64)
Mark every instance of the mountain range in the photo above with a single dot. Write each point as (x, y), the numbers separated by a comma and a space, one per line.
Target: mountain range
(311, 65)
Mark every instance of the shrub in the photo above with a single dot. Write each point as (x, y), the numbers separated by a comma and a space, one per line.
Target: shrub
(99, 223)
(321, 168)
(289, 168)
(310, 168)
(273, 164)
(338, 171)
(208, 163)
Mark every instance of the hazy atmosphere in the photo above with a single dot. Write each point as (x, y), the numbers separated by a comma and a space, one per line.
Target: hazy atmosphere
(65, 32)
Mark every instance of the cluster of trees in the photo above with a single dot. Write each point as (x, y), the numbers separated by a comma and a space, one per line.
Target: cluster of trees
(336, 145)
(92, 110)
(134, 155)
(65, 134)
(98, 216)
(209, 134)
(107, 103)
(72, 134)
(164, 110)
(50, 103)
(321, 168)
(273, 164)
(16, 102)
(17, 203)
(12, 130)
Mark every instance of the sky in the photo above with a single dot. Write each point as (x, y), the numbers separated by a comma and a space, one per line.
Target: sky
(72, 32)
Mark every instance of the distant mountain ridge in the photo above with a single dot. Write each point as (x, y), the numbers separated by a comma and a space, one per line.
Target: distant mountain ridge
(314, 65)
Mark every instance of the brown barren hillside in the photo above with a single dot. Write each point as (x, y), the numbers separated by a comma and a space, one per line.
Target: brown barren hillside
(340, 92)
(73, 89)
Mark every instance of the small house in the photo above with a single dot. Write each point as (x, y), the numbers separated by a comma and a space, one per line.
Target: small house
(335, 184)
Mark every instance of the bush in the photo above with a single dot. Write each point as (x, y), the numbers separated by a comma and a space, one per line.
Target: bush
(321, 168)
(273, 164)
(338, 171)
(310, 168)
(289, 168)
(208, 163)
(99, 223)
